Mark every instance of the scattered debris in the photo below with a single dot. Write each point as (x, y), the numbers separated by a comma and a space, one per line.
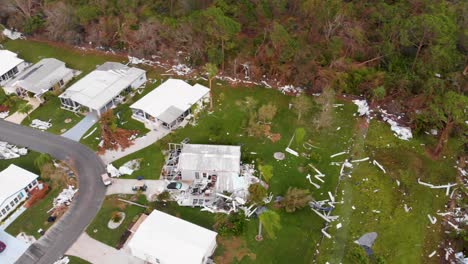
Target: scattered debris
(378, 165)
(13, 35)
(401, 132)
(65, 197)
(366, 241)
(64, 260)
(311, 182)
(363, 107)
(4, 115)
(338, 154)
(360, 160)
(407, 209)
(90, 133)
(432, 254)
(432, 219)
(41, 125)
(325, 233)
(113, 171)
(8, 151)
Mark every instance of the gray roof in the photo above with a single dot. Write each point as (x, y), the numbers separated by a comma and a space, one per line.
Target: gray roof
(218, 158)
(102, 85)
(41, 76)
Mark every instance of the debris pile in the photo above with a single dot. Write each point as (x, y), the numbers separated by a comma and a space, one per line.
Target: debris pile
(41, 125)
(13, 35)
(65, 197)
(8, 151)
(401, 132)
(363, 107)
(366, 241)
(181, 69)
(126, 169)
(4, 115)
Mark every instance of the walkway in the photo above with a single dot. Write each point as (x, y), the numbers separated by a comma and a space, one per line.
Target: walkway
(96, 252)
(17, 117)
(124, 186)
(75, 133)
(139, 143)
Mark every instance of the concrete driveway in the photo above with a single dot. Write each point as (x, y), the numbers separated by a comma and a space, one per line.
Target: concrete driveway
(75, 133)
(86, 204)
(124, 186)
(96, 252)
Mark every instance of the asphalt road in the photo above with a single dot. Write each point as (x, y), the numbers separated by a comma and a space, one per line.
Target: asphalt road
(85, 206)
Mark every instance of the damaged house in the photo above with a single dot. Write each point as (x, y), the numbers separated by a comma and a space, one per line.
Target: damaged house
(219, 165)
(46, 75)
(103, 88)
(169, 104)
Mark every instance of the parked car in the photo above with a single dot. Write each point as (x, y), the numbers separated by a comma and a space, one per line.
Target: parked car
(179, 186)
(106, 179)
(141, 186)
(2, 246)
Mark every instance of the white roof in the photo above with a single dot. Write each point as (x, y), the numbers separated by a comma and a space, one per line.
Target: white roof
(8, 60)
(13, 179)
(172, 240)
(218, 158)
(102, 85)
(41, 76)
(171, 97)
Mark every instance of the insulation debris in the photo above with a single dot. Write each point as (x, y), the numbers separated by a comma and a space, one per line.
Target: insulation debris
(338, 154)
(13, 35)
(363, 107)
(8, 151)
(64, 260)
(432, 219)
(400, 132)
(65, 197)
(41, 125)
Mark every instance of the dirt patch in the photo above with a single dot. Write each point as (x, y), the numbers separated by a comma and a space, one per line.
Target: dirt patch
(234, 249)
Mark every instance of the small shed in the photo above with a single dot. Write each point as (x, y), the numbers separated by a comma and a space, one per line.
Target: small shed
(165, 239)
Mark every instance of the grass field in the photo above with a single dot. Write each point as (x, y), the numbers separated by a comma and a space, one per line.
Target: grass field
(50, 110)
(98, 228)
(77, 260)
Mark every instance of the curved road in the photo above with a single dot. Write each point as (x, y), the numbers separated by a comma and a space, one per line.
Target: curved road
(85, 206)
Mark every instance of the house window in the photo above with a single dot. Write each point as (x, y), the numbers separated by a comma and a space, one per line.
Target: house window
(61, 83)
(197, 175)
(12, 203)
(7, 208)
(204, 175)
(21, 195)
(16, 200)
(3, 211)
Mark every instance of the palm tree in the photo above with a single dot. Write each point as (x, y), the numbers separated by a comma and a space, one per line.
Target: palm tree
(212, 71)
(271, 221)
(25, 108)
(296, 198)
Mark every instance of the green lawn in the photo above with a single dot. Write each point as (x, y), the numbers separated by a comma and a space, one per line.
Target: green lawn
(50, 110)
(77, 260)
(151, 163)
(111, 204)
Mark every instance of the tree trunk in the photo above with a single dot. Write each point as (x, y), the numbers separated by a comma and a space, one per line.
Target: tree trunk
(444, 135)
(211, 94)
(222, 55)
(419, 51)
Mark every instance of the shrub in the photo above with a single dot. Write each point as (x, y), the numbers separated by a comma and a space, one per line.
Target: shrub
(116, 216)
